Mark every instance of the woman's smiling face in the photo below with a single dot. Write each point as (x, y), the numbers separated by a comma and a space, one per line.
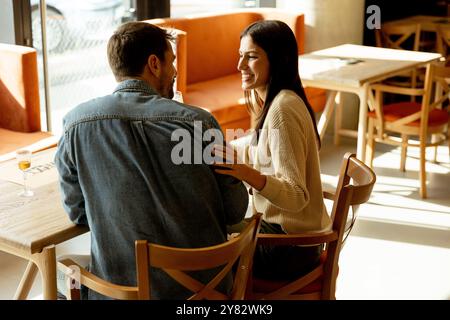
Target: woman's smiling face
(253, 65)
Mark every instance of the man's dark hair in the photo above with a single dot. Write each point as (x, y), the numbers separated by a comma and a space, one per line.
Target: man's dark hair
(131, 45)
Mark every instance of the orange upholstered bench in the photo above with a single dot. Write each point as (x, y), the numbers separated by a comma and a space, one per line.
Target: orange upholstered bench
(207, 55)
(20, 123)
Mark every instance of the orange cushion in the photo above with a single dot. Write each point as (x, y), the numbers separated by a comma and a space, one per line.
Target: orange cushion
(212, 54)
(213, 39)
(317, 98)
(396, 111)
(13, 140)
(212, 42)
(223, 97)
(19, 89)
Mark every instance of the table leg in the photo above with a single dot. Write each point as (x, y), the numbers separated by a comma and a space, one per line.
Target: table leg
(26, 282)
(362, 122)
(326, 114)
(46, 262)
(338, 118)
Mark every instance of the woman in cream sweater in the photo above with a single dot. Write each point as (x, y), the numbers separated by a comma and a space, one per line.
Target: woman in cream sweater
(281, 161)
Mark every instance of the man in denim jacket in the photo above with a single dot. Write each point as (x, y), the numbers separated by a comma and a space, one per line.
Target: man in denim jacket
(119, 173)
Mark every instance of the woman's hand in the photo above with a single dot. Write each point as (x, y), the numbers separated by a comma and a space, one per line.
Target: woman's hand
(227, 162)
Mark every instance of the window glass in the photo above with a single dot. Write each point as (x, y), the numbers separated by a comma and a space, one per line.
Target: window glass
(76, 37)
(77, 34)
(180, 8)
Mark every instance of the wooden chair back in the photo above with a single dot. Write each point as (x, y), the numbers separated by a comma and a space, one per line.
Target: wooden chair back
(176, 262)
(398, 36)
(354, 187)
(405, 37)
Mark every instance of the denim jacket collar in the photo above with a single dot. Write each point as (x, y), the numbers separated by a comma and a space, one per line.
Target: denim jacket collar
(135, 85)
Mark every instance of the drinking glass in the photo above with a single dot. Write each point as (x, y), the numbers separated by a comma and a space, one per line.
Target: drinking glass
(178, 96)
(24, 163)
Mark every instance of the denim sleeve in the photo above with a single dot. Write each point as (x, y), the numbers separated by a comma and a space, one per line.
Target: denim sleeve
(72, 196)
(234, 193)
(235, 198)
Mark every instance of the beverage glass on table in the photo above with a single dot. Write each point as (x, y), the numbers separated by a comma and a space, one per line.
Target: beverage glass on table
(24, 163)
(178, 96)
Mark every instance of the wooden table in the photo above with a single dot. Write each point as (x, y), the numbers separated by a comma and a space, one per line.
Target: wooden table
(352, 68)
(31, 227)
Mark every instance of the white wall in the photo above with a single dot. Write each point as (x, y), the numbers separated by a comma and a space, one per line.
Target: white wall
(329, 23)
(7, 34)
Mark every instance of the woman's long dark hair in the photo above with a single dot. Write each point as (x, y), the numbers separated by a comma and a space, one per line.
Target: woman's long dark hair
(278, 42)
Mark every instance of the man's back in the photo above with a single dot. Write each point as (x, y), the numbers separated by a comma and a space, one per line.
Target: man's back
(118, 176)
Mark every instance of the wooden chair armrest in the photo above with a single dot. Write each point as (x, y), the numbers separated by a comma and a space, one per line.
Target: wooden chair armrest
(309, 238)
(95, 283)
(397, 89)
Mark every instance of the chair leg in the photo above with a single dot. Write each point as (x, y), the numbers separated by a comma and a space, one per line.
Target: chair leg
(26, 283)
(404, 151)
(370, 143)
(422, 172)
(434, 138)
(413, 83)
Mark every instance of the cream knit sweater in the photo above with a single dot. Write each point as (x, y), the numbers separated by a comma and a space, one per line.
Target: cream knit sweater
(287, 154)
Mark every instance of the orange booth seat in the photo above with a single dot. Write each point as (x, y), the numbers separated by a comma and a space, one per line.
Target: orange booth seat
(207, 50)
(20, 123)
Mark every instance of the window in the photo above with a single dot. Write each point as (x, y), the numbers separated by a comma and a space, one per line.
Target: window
(76, 66)
(180, 8)
(76, 38)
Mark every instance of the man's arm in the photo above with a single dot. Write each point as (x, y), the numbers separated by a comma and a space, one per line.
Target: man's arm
(234, 193)
(72, 196)
(235, 198)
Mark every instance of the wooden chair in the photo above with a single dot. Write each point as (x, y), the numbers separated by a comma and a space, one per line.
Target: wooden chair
(397, 36)
(407, 119)
(175, 261)
(404, 37)
(356, 181)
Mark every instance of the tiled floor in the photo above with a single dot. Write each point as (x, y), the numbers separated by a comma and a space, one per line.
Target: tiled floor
(398, 249)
